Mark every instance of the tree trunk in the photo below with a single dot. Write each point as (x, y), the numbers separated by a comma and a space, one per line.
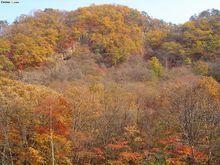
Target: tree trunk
(51, 138)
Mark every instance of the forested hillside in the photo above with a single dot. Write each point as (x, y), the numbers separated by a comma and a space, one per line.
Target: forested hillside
(108, 84)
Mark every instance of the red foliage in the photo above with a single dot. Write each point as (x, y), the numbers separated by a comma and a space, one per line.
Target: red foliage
(169, 140)
(131, 155)
(56, 109)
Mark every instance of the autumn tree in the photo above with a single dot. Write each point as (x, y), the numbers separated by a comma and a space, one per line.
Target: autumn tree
(198, 121)
(156, 67)
(115, 34)
(24, 123)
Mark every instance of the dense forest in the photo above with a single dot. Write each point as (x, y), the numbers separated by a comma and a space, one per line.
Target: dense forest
(107, 84)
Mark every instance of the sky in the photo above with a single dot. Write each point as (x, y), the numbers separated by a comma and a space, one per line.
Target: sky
(175, 11)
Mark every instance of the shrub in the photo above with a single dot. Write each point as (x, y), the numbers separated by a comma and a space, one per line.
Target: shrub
(5, 63)
(201, 68)
(215, 70)
(156, 67)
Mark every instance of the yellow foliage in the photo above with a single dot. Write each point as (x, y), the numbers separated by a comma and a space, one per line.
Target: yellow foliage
(22, 94)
